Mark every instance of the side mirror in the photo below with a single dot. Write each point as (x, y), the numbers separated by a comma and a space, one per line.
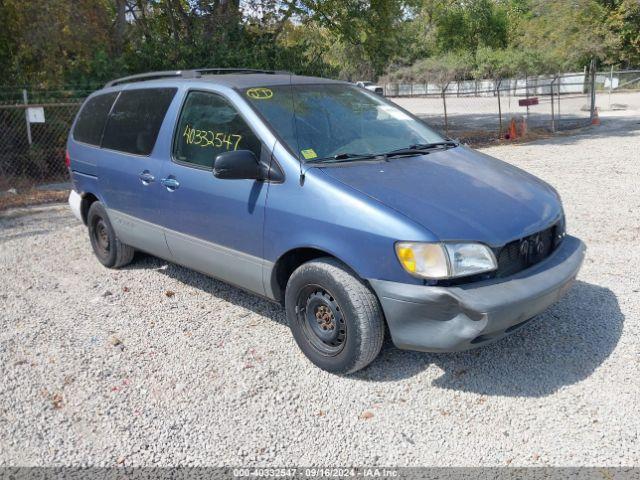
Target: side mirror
(237, 165)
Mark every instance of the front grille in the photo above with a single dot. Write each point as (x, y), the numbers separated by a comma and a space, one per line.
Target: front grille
(514, 257)
(523, 253)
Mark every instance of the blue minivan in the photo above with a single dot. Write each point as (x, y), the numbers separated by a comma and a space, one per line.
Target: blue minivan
(324, 197)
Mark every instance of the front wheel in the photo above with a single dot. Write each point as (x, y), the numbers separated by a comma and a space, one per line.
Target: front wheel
(334, 317)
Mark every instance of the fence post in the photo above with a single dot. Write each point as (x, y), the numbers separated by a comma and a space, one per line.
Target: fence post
(444, 104)
(592, 85)
(610, 85)
(26, 115)
(559, 95)
(553, 118)
(499, 108)
(526, 92)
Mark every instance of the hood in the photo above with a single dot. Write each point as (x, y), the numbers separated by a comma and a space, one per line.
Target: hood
(457, 194)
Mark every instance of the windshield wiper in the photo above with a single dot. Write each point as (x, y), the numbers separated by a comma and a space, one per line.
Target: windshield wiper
(416, 149)
(427, 146)
(341, 157)
(420, 148)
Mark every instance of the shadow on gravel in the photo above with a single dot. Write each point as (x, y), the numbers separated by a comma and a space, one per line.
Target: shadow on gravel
(482, 129)
(612, 128)
(209, 285)
(561, 347)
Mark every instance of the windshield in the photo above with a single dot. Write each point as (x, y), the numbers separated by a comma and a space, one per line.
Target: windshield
(336, 119)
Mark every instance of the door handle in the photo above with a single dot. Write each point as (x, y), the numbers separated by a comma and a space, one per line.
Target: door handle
(170, 183)
(146, 177)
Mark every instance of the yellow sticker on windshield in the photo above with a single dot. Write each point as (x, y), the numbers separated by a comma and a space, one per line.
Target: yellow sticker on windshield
(308, 153)
(260, 93)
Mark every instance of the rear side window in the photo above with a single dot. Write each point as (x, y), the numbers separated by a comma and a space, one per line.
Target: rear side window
(209, 125)
(92, 119)
(136, 119)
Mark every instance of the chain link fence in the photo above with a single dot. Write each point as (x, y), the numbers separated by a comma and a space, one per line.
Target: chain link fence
(486, 110)
(34, 124)
(32, 153)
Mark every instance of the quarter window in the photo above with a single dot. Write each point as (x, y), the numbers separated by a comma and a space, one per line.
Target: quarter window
(92, 118)
(210, 125)
(136, 119)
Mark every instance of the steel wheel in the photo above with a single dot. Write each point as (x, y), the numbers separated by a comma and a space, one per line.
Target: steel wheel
(101, 236)
(322, 320)
(335, 318)
(107, 247)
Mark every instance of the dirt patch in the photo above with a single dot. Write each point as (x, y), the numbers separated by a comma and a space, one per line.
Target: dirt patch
(31, 197)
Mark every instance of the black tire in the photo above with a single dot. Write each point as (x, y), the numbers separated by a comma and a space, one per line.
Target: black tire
(335, 318)
(111, 252)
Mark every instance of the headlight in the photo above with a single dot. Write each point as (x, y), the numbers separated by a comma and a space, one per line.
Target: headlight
(445, 260)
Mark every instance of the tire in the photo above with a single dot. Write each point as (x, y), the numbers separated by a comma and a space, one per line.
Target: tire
(335, 318)
(111, 252)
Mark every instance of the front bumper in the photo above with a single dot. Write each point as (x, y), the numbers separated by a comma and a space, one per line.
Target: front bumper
(447, 319)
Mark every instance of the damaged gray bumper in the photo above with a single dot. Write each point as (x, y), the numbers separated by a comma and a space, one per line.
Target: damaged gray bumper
(445, 319)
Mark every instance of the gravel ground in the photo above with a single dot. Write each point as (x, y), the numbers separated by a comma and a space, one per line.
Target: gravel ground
(155, 364)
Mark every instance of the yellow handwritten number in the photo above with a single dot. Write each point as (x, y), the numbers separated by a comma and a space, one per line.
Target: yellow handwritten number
(208, 138)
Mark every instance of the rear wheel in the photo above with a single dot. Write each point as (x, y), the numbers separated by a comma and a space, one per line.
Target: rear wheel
(334, 317)
(111, 252)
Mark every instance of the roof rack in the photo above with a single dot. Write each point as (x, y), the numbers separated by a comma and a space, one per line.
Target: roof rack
(193, 73)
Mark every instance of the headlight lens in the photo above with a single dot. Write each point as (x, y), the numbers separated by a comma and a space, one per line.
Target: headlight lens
(470, 258)
(445, 260)
(427, 260)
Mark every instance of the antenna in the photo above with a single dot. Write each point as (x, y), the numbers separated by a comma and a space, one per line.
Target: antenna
(295, 127)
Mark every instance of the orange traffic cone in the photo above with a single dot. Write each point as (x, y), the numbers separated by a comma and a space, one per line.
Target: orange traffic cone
(512, 133)
(596, 119)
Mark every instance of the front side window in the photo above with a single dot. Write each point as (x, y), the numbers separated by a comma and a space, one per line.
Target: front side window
(93, 118)
(136, 118)
(323, 120)
(209, 125)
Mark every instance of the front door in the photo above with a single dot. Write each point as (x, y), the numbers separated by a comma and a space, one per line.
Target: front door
(214, 225)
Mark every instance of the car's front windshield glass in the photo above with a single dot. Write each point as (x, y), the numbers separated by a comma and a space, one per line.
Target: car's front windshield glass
(336, 119)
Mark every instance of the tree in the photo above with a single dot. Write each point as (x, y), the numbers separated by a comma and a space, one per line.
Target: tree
(494, 63)
(469, 24)
(52, 42)
(441, 71)
(367, 28)
(50, 37)
(571, 32)
(624, 22)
